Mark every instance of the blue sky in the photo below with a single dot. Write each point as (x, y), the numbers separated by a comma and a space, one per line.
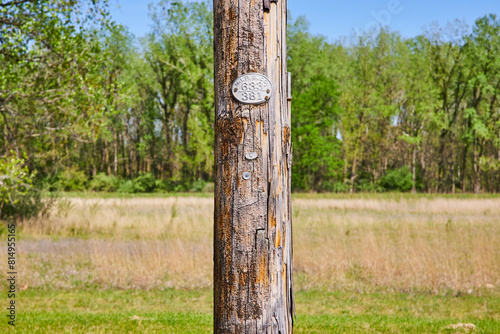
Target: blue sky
(335, 19)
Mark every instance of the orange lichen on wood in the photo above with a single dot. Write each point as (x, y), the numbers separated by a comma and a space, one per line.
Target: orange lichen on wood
(286, 134)
(230, 130)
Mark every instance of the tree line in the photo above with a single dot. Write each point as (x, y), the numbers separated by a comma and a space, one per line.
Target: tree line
(84, 104)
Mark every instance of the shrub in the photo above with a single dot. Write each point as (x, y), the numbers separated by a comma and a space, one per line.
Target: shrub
(367, 186)
(103, 182)
(198, 186)
(127, 186)
(179, 188)
(71, 179)
(172, 186)
(340, 187)
(397, 180)
(209, 187)
(19, 199)
(161, 186)
(326, 185)
(145, 183)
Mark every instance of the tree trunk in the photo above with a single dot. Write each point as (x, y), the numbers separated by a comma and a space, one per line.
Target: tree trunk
(413, 171)
(115, 155)
(125, 158)
(475, 166)
(94, 167)
(108, 161)
(353, 174)
(464, 168)
(452, 166)
(253, 290)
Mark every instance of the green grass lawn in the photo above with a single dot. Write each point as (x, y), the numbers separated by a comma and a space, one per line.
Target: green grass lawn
(177, 311)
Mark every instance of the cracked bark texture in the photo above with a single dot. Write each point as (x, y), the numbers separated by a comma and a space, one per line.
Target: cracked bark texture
(253, 289)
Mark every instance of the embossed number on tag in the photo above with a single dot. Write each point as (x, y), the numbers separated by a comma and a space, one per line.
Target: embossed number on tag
(252, 88)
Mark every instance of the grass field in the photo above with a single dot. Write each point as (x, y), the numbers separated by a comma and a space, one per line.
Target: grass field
(363, 264)
(180, 311)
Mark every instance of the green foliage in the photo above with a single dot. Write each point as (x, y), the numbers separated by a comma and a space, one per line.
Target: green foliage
(103, 182)
(16, 183)
(171, 186)
(209, 187)
(19, 199)
(71, 179)
(127, 187)
(397, 180)
(340, 187)
(179, 59)
(79, 96)
(198, 186)
(365, 185)
(52, 74)
(317, 150)
(179, 188)
(161, 186)
(144, 183)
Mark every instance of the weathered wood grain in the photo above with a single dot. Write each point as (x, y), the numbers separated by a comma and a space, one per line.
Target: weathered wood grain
(267, 4)
(253, 290)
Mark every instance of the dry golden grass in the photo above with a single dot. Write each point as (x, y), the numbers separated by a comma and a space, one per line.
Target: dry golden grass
(438, 245)
(140, 218)
(420, 244)
(124, 264)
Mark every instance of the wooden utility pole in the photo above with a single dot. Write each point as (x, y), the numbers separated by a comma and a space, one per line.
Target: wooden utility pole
(253, 290)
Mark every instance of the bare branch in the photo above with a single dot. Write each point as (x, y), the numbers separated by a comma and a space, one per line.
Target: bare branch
(13, 3)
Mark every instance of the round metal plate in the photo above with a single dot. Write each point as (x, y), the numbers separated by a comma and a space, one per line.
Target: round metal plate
(252, 88)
